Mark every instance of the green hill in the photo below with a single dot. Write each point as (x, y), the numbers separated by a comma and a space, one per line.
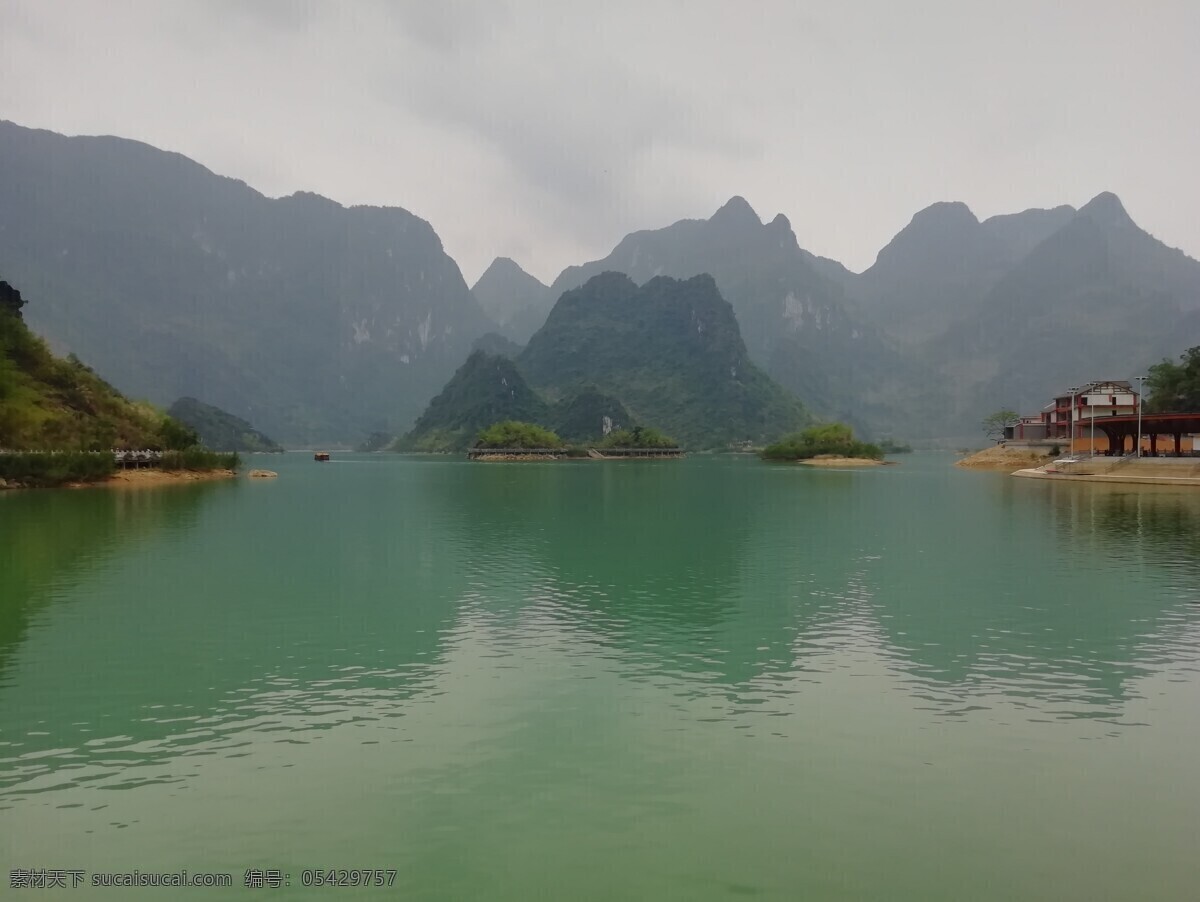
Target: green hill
(47, 403)
(489, 389)
(588, 416)
(220, 430)
(485, 390)
(671, 351)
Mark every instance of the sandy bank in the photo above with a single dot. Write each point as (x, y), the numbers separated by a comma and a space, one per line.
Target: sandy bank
(518, 458)
(825, 460)
(149, 478)
(1002, 458)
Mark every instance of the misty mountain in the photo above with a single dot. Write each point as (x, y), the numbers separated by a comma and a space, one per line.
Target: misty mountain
(495, 343)
(313, 320)
(219, 429)
(939, 266)
(1098, 298)
(671, 351)
(516, 300)
(792, 310)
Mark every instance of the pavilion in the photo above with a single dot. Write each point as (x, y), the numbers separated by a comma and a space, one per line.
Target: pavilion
(1120, 433)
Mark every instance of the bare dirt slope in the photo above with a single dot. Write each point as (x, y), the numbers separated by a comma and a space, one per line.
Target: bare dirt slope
(1004, 458)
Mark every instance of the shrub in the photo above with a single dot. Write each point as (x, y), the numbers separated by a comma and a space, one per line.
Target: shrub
(196, 458)
(42, 469)
(827, 438)
(637, 437)
(514, 434)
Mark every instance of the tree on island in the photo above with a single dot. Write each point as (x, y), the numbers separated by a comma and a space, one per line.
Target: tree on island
(1175, 387)
(835, 439)
(638, 437)
(994, 425)
(515, 434)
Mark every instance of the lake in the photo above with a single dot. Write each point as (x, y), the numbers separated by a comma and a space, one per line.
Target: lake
(707, 679)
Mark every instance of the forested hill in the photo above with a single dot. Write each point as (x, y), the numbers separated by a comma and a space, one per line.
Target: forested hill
(671, 351)
(488, 389)
(219, 429)
(47, 403)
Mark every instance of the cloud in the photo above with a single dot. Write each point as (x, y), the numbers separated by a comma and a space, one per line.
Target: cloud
(545, 131)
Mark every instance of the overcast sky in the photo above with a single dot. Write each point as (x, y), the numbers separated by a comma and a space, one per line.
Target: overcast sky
(545, 131)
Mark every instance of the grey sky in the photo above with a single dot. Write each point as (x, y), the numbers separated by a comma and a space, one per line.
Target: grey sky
(546, 130)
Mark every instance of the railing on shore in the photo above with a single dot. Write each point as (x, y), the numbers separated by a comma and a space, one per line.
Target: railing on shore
(516, 452)
(640, 452)
(595, 453)
(124, 459)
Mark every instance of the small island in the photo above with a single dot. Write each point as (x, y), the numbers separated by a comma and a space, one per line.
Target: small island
(512, 440)
(825, 445)
(638, 442)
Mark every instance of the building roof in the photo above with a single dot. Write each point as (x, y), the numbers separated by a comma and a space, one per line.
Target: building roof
(1160, 423)
(1091, 386)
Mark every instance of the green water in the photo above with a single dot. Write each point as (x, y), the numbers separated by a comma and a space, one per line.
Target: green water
(700, 680)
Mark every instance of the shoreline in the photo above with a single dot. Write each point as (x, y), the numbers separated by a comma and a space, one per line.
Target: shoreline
(150, 478)
(843, 462)
(1127, 478)
(1003, 459)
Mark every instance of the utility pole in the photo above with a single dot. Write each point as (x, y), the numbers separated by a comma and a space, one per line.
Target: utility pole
(1071, 422)
(1141, 381)
(1092, 417)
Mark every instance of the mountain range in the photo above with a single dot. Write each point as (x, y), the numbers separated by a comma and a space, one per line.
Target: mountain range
(319, 322)
(1008, 311)
(794, 317)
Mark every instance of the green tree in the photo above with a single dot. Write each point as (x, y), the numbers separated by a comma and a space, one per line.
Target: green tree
(994, 425)
(637, 437)
(175, 436)
(515, 434)
(824, 438)
(1175, 387)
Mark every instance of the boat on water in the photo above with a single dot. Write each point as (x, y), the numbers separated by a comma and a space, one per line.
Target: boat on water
(321, 455)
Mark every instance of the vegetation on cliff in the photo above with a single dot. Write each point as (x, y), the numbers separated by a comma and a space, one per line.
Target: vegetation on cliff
(835, 439)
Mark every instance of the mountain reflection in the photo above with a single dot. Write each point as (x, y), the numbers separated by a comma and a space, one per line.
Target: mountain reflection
(710, 569)
(50, 540)
(211, 620)
(1085, 593)
(726, 572)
